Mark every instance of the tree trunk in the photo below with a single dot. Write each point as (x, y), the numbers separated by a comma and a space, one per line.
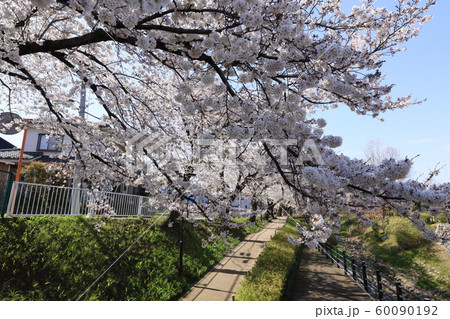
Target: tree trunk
(280, 211)
(173, 219)
(254, 208)
(270, 210)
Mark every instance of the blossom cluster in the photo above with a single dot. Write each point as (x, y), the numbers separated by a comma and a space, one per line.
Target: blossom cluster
(187, 70)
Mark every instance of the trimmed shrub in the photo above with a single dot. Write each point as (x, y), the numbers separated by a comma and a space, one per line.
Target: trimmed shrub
(269, 278)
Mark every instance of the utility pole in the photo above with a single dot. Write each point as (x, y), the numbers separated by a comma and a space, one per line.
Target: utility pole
(22, 149)
(76, 184)
(82, 111)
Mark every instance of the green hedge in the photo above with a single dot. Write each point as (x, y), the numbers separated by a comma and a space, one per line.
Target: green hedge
(270, 277)
(58, 258)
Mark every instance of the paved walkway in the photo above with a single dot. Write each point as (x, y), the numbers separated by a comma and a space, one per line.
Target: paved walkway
(224, 280)
(320, 280)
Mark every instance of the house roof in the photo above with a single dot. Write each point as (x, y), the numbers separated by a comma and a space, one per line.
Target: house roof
(5, 145)
(14, 154)
(50, 159)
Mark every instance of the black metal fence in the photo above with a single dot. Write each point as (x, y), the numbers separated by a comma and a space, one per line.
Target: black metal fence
(374, 281)
(6, 181)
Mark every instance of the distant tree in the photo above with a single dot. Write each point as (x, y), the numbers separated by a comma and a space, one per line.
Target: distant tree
(375, 152)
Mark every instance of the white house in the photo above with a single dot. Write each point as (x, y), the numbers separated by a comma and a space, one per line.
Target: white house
(40, 141)
(39, 146)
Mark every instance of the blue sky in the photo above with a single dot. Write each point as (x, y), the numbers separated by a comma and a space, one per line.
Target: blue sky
(423, 71)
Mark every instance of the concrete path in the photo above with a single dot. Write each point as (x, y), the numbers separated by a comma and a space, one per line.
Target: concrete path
(224, 280)
(318, 279)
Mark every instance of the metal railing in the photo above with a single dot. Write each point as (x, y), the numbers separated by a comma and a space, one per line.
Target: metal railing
(372, 280)
(6, 181)
(28, 200)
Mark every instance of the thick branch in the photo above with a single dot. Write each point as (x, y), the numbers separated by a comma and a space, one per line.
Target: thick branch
(98, 35)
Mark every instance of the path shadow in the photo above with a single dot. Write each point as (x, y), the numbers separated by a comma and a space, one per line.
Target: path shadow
(317, 279)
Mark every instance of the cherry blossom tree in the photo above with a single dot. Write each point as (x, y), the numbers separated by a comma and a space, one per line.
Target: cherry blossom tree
(214, 100)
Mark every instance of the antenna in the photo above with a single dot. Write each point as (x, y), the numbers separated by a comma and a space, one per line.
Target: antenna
(11, 123)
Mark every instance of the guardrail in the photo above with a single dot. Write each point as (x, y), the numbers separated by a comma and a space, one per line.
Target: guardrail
(372, 280)
(28, 200)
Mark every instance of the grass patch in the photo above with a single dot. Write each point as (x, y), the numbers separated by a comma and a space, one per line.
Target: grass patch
(396, 241)
(58, 258)
(430, 265)
(404, 235)
(269, 278)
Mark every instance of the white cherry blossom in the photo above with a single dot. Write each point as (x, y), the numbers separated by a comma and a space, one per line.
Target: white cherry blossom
(250, 75)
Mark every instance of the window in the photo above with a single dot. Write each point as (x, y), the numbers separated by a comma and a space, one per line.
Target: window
(48, 143)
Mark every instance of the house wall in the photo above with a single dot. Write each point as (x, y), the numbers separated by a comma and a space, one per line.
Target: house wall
(31, 143)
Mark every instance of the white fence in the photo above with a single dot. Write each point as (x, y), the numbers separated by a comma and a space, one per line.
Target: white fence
(28, 199)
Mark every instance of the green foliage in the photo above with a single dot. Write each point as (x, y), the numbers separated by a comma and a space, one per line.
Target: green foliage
(46, 173)
(430, 220)
(333, 241)
(269, 278)
(404, 235)
(249, 228)
(58, 258)
(350, 225)
(35, 172)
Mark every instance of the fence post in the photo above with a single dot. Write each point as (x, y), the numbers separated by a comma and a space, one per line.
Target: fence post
(326, 251)
(180, 266)
(75, 201)
(7, 192)
(379, 285)
(90, 202)
(364, 275)
(12, 199)
(139, 212)
(344, 257)
(398, 290)
(353, 268)
(337, 257)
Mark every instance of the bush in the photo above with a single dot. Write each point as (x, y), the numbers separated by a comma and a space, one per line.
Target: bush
(269, 278)
(333, 240)
(47, 173)
(401, 232)
(430, 220)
